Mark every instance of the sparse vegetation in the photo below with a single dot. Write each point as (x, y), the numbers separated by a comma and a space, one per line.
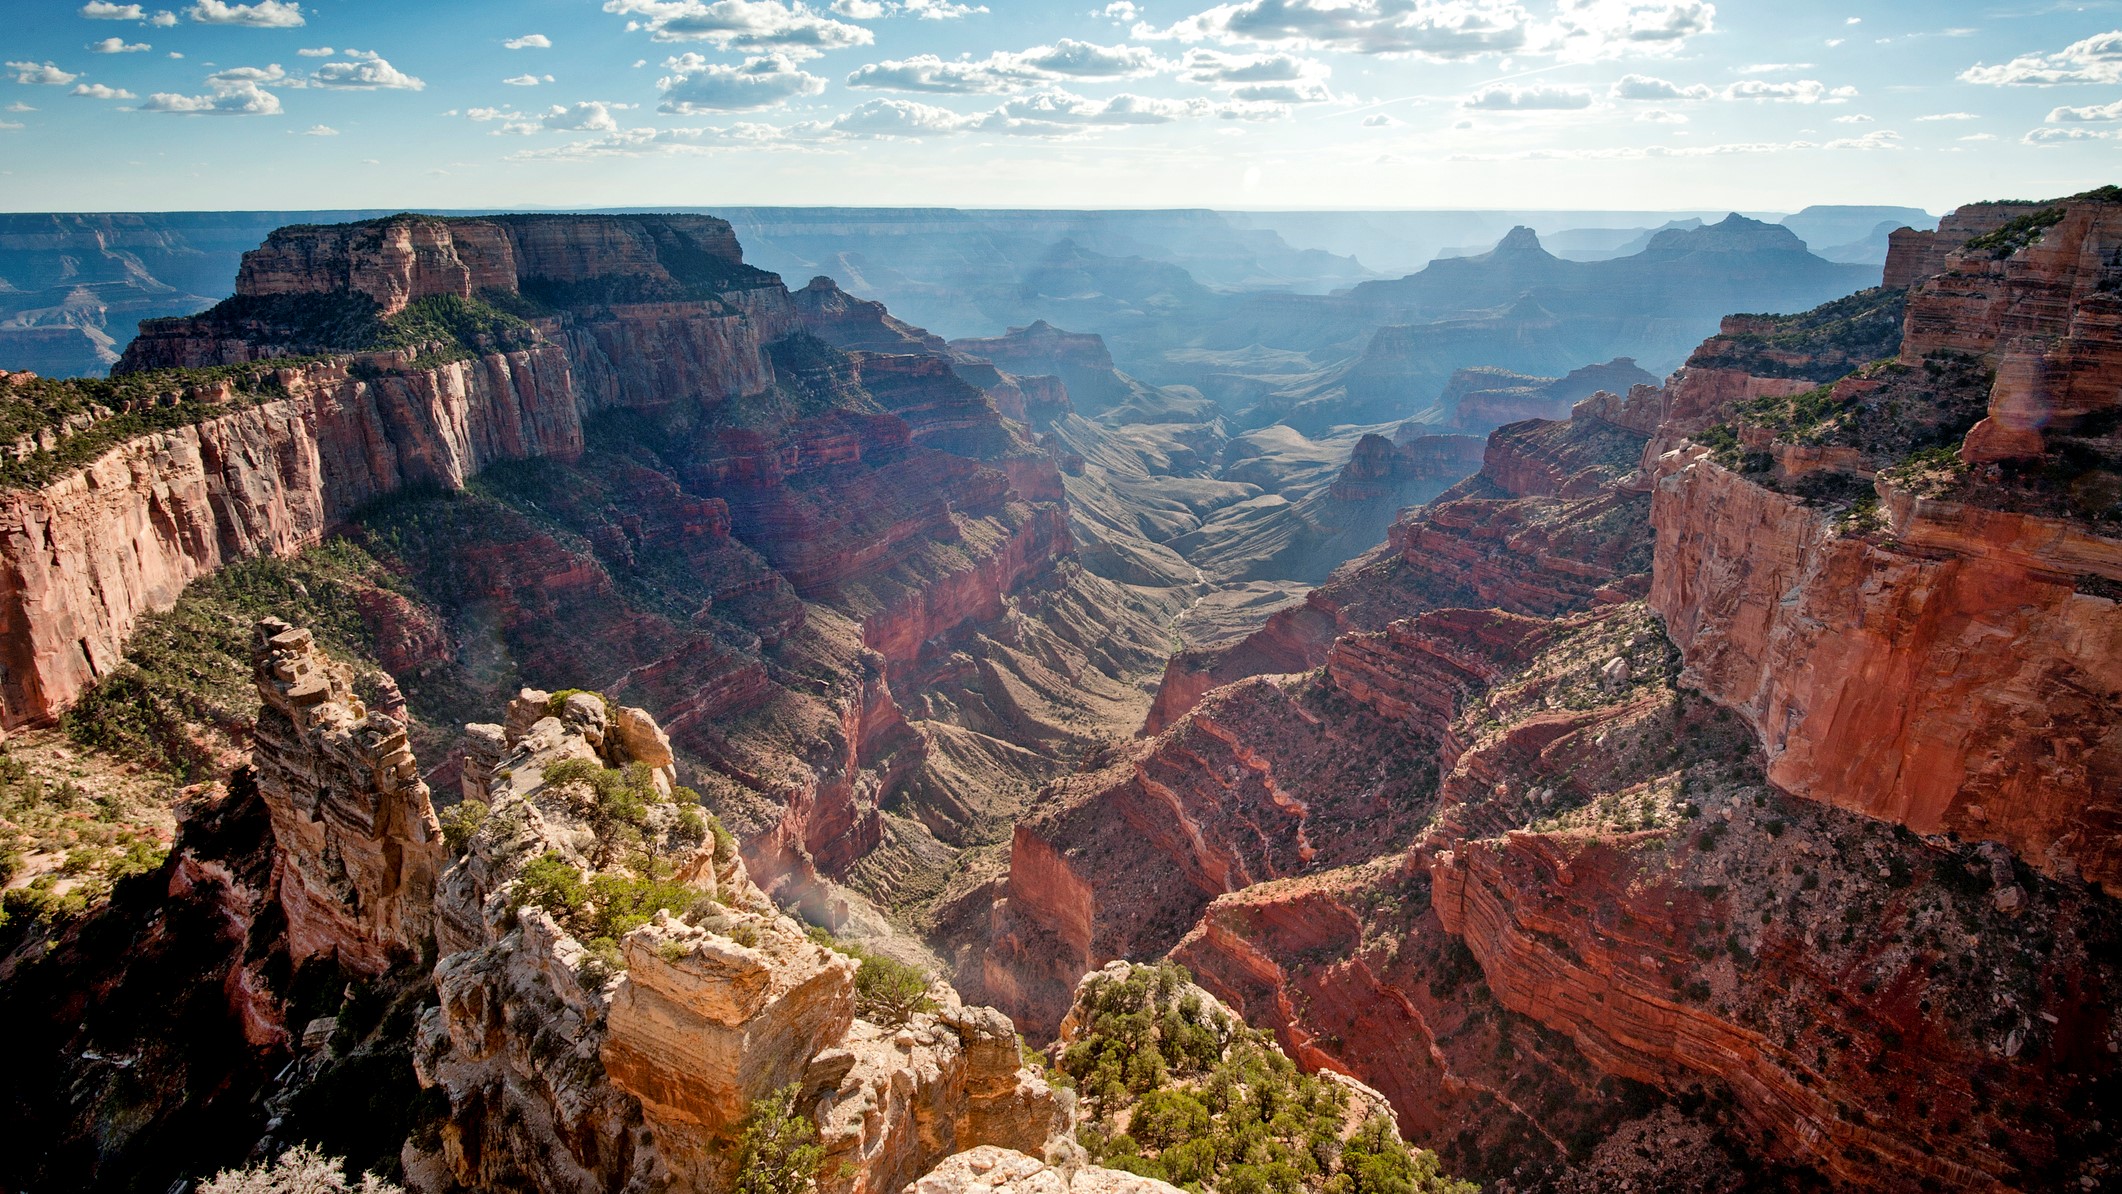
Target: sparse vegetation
(1179, 1090)
(303, 1169)
(887, 991)
(778, 1151)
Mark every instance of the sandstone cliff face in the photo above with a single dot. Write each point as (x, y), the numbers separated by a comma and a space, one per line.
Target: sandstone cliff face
(84, 557)
(1958, 669)
(1952, 679)
(359, 847)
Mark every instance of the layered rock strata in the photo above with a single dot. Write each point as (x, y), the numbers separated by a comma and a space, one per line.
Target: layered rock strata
(567, 1068)
(360, 850)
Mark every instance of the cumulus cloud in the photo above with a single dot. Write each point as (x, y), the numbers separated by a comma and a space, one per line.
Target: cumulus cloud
(118, 45)
(238, 91)
(1585, 29)
(102, 10)
(1853, 118)
(2096, 59)
(1064, 108)
(1803, 91)
(317, 52)
(1646, 87)
(529, 41)
(592, 116)
(163, 19)
(101, 91)
(1123, 11)
(791, 29)
(368, 71)
(1382, 121)
(1436, 29)
(1659, 116)
(696, 85)
(265, 14)
(41, 73)
(899, 118)
(2096, 114)
(2063, 136)
(1948, 116)
(1006, 71)
(527, 80)
(1215, 69)
(1539, 97)
(320, 130)
(926, 10)
(1876, 139)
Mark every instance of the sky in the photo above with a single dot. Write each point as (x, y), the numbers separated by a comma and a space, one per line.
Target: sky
(1245, 104)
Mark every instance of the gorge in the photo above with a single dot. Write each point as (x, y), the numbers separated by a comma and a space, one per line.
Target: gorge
(1562, 778)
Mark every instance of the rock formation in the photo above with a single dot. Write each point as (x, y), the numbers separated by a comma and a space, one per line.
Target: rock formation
(1773, 745)
(633, 1062)
(359, 847)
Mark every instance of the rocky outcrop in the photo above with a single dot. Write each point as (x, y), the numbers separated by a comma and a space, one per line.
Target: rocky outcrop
(1954, 678)
(1377, 467)
(359, 847)
(1005, 1171)
(633, 1063)
(1914, 256)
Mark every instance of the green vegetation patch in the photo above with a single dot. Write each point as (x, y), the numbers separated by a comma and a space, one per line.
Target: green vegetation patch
(887, 991)
(1179, 1090)
(185, 689)
(1819, 345)
(778, 1151)
(50, 426)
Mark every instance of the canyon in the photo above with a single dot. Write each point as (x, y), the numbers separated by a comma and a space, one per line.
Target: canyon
(1708, 783)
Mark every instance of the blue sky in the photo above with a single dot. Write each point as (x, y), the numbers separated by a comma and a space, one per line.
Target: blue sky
(1648, 104)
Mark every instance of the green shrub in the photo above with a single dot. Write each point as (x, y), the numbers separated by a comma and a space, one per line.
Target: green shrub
(553, 883)
(460, 821)
(778, 1151)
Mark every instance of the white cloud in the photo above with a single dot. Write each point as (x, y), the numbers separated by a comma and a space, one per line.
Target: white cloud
(858, 10)
(368, 71)
(1773, 68)
(102, 10)
(1231, 70)
(1123, 11)
(101, 91)
(2096, 59)
(11, 125)
(320, 130)
(1948, 116)
(940, 10)
(900, 118)
(1853, 118)
(1876, 139)
(118, 45)
(590, 116)
(1804, 91)
(175, 54)
(265, 14)
(1505, 97)
(696, 85)
(1064, 108)
(41, 73)
(2059, 136)
(793, 30)
(1382, 121)
(229, 93)
(2096, 114)
(1644, 87)
(1585, 29)
(19, 106)
(527, 80)
(317, 52)
(529, 41)
(1435, 29)
(1005, 71)
(163, 19)
(1660, 116)
(1980, 137)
